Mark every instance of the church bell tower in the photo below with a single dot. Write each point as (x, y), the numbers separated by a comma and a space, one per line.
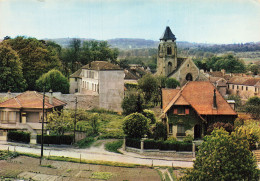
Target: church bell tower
(167, 53)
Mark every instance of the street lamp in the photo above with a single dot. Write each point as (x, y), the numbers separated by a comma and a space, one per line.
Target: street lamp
(43, 103)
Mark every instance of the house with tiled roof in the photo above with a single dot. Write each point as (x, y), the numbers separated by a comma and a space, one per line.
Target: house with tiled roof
(220, 83)
(102, 79)
(24, 112)
(245, 87)
(193, 108)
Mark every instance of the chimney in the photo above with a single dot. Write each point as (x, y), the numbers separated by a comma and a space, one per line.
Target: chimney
(223, 72)
(51, 97)
(214, 100)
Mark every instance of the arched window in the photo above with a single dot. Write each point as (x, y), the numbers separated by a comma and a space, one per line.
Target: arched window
(189, 77)
(169, 50)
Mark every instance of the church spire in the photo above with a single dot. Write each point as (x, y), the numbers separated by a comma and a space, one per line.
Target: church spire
(168, 35)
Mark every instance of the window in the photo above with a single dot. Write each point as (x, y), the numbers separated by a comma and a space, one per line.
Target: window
(246, 88)
(233, 86)
(242, 87)
(180, 130)
(8, 116)
(12, 116)
(228, 86)
(169, 50)
(170, 128)
(181, 110)
(76, 90)
(187, 111)
(237, 87)
(4, 115)
(255, 89)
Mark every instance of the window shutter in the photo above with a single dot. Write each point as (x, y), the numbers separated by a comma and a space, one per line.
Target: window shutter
(175, 111)
(187, 111)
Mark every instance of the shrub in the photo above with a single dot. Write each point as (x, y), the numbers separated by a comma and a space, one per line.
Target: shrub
(56, 139)
(18, 136)
(188, 138)
(150, 115)
(160, 131)
(135, 125)
(114, 146)
(227, 126)
(135, 143)
(85, 143)
(132, 103)
(152, 144)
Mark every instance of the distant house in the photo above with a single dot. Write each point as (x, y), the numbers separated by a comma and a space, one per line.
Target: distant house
(102, 79)
(24, 112)
(244, 86)
(220, 84)
(191, 109)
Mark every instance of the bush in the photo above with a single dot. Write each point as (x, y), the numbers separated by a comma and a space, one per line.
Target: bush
(150, 115)
(252, 107)
(160, 131)
(135, 125)
(188, 138)
(152, 144)
(134, 143)
(132, 103)
(227, 126)
(85, 143)
(18, 136)
(114, 146)
(56, 139)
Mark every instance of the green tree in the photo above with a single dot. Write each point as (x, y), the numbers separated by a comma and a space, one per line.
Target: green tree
(60, 122)
(11, 74)
(132, 103)
(172, 83)
(36, 57)
(160, 131)
(223, 156)
(150, 115)
(149, 85)
(135, 125)
(252, 107)
(53, 80)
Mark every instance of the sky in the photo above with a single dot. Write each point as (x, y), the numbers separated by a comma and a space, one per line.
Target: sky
(201, 21)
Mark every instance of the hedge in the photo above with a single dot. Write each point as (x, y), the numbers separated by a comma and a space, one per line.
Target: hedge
(135, 143)
(56, 139)
(161, 145)
(18, 136)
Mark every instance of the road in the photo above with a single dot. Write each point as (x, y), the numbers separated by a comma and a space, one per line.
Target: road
(97, 154)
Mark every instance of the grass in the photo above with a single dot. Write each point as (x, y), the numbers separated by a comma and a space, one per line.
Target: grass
(160, 174)
(101, 175)
(85, 143)
(114, 146)
(48, 166)
(5, 155)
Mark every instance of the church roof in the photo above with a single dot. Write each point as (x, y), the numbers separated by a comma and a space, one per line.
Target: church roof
(168, 35)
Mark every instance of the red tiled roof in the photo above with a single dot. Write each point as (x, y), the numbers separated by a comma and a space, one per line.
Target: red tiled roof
(249, 81)
(31, 99)
(200, 96)
(167, 95)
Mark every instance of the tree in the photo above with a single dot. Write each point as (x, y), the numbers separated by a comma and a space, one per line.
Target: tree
(223, 156)
(148, 84)
(236, 98)
(132, 103)
(252, 107)
(149, 115)
(227, 126)
(172, 83)
(135, 125)
(53, 80)
(11, 73)
(35, 56)
(160, 131)
(60, 122)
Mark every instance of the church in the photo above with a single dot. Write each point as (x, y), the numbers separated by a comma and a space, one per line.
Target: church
(169, 65)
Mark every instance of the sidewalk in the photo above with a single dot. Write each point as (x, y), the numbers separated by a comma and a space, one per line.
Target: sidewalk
(96, 154)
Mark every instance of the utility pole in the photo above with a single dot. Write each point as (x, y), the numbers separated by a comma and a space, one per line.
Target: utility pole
(75, 121)
(43, 103)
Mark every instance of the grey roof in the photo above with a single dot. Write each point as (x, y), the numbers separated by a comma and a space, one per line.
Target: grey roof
(101, 65)
(168, 35)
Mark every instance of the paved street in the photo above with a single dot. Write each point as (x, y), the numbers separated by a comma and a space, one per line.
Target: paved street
(96, 154)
